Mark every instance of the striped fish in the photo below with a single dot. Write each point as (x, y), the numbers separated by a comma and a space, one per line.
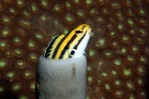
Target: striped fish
(70, 45)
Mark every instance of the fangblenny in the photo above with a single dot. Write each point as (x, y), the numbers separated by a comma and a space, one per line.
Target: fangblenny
(69, 45)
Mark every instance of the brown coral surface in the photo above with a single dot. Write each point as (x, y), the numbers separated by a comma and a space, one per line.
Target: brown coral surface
(118, 51)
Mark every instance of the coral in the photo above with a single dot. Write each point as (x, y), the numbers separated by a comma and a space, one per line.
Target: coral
(118, 52)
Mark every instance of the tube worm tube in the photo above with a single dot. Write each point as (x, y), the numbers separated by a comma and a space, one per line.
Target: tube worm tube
(61, 79)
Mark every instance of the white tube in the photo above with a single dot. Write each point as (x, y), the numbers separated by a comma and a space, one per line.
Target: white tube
(61, 79)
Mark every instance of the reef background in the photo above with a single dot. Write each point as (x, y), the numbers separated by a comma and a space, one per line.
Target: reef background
(118, 51)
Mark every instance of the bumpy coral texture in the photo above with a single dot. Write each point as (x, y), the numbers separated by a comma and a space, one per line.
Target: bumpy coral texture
(118, 52)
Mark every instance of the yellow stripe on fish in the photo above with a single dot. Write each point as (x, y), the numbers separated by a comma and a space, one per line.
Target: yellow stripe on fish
(70, 45)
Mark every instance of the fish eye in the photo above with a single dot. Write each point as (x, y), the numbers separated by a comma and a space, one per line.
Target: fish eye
(78, 31)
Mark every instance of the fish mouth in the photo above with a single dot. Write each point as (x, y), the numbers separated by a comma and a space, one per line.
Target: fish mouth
(89, 31)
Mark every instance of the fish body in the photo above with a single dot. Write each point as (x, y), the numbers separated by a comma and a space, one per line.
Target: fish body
(70, 45)
(61, 71)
